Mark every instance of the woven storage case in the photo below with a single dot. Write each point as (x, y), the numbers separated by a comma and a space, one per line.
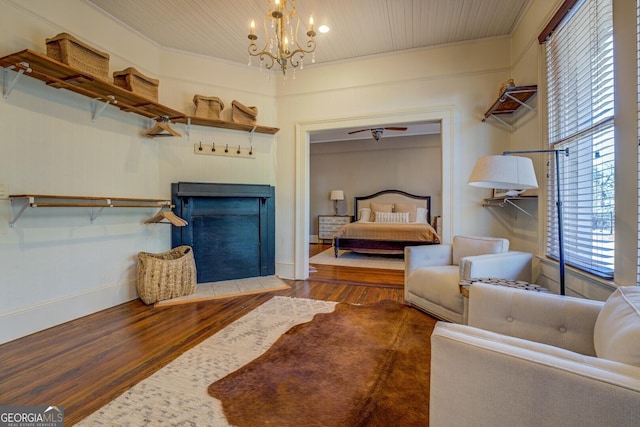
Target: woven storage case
(133, 80)
(68, 50)
(166, 275)
(208, 107)
(243, 114)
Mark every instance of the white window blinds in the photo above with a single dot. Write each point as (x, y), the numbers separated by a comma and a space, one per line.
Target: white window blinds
(580, 90)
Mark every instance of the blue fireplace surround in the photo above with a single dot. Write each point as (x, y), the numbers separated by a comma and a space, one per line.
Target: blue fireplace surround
(231, 228)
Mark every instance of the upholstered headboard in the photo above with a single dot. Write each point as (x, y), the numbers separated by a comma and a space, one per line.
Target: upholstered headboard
(392, 197)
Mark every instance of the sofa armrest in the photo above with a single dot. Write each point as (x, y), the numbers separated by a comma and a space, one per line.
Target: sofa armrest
(561, 321)
(507, 265)
(485, 379)
(426, 256)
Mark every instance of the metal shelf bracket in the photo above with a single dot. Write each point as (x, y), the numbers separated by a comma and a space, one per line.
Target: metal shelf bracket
(27, 201)
(511, 128)
(522, 104)
(96, 112)
(501, 203)
(8, 84)
(187, 129)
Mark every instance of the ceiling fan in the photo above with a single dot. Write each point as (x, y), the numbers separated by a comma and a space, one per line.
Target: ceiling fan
(376, 133)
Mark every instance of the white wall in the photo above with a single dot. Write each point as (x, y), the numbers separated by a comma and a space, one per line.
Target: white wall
(458, 81)
(56, 265)
(362, 167)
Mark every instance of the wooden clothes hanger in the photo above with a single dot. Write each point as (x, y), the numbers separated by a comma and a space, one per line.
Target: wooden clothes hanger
(161, 129)
(170, 218)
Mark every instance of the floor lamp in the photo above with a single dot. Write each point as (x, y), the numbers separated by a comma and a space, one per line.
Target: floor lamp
(516, 174)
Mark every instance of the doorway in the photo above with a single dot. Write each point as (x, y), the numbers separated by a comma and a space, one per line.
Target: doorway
(444, 115)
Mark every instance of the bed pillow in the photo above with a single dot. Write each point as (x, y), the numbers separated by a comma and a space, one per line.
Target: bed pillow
(407, 207)
(364, 215)
(392, 217)
(421, 216)
(379, 207)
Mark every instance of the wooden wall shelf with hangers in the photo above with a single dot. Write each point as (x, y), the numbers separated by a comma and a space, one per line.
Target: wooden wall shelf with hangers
(501, 202)
(509, 101)
(96, 204)
(61, 76)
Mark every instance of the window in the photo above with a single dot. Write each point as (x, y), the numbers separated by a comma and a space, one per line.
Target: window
(580, 90)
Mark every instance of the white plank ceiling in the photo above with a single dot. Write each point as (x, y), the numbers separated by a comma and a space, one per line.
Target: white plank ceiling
(219, 28)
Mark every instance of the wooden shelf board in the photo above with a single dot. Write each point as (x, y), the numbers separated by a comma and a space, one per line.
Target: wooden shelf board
(59, 75)
(492, 199)
(99, 202)
(200, 121)
(506, 105)
(47, 200)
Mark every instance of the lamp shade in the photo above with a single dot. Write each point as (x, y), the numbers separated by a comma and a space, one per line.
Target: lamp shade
(336, 195)
(504, 172)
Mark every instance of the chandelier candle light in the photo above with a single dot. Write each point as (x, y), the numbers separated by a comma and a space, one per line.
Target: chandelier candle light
(281, 46)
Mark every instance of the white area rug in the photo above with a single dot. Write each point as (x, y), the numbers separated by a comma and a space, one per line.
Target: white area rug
(228, 289)
(177, 394)
(352, 259)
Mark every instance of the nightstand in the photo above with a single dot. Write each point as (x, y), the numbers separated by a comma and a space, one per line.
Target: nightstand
(328, 225)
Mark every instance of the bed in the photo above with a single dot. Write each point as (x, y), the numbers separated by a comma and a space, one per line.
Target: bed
(403, 219)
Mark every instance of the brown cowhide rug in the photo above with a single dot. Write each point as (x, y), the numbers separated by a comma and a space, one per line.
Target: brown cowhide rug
(360, 365)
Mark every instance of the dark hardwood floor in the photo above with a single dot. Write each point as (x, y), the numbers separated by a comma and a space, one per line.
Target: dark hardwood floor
(83, 364)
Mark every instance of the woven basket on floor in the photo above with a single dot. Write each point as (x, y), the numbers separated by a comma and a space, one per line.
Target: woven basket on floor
(166, 275)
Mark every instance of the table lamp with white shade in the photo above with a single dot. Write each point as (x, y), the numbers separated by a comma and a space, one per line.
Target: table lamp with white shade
(336, 195)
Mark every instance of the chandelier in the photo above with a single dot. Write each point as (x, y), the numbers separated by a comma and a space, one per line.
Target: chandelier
(281, 25)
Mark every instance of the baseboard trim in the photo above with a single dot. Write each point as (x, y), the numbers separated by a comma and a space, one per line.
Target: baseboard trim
(27, 320)
(285, 270)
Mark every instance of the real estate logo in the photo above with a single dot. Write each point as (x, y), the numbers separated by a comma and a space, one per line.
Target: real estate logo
(31, 416)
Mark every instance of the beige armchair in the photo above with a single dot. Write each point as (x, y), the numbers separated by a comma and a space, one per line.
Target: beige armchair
(432, 272)
(535, 359)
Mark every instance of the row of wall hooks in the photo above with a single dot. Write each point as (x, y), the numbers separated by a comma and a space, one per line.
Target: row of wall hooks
(224, 150)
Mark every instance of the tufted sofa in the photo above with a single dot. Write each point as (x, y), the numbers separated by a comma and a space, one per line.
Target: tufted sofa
(432, 272)
(533, 359)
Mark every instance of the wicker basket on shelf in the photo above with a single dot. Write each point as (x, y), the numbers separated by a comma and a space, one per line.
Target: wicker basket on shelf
(208, 107)
(71, 51)
(136, 82)
(166, 275)
(242, 114)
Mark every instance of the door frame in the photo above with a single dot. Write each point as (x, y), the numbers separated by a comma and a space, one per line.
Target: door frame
(444, 115)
